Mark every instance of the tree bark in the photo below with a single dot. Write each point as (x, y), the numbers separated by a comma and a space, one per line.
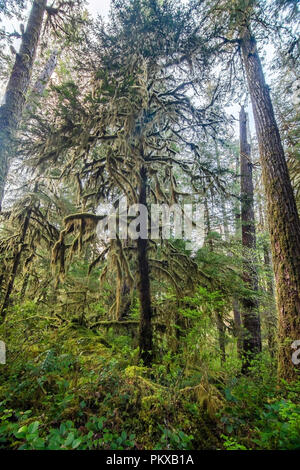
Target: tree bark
(15, 94)
(283, 218)
(251, 322)
(145, 330)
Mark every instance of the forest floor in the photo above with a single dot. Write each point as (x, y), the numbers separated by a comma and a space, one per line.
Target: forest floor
(74, 388)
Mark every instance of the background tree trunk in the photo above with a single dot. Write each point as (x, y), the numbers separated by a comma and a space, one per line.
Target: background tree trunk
(42, 81)
(235, 303)
(251, 322)
(15, 94)
(283, 218)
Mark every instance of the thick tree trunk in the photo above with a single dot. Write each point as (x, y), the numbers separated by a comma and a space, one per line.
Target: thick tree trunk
(145, 330)
(283, 218)
(251, 322)
(15, 94)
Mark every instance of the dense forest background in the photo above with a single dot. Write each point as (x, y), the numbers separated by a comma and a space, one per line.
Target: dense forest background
(150, 342)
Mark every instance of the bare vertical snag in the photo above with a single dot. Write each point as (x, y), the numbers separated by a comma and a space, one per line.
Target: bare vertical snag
(250, 316)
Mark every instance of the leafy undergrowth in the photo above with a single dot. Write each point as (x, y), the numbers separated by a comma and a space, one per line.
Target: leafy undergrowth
(260, 412)
(71, 391)
(71, 388)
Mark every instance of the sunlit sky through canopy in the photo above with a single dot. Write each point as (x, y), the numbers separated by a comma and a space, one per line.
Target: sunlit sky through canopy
(99, 7)
(102, 7)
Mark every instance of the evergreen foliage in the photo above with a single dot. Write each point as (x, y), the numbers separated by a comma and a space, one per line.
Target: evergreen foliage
(148, 343)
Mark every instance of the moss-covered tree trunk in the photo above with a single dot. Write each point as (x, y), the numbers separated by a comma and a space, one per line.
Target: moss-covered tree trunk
(283, 218)
(250, 316)
(15, 94)
(145, 330)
